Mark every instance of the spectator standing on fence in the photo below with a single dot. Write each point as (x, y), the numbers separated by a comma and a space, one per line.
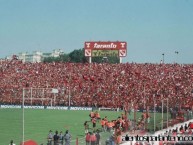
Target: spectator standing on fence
(93, 139)
(97, 115)
(103, 125)
(118, 135)
(91, 114)
(189, 114)
(97, 138)
(94, 123)
(105, 121)
(67, 138)
(56, 138)
(86, 127)
(87, 139)
(112, 139)
(50, 137)
(61, 137)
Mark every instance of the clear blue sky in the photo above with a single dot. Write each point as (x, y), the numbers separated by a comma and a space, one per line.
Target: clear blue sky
(150, 27)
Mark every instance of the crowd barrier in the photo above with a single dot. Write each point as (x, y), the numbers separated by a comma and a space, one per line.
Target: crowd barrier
(154, 135)
(46, 107)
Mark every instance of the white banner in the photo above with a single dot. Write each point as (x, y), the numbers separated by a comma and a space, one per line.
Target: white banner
(10, 106)
(57, 108)
(33, 107)
(81, 108)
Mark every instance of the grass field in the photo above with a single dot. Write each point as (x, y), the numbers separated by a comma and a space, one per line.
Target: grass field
(39, 122)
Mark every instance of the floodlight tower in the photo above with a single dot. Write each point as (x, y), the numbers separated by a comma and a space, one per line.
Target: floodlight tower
(163, 57)
(176, 52)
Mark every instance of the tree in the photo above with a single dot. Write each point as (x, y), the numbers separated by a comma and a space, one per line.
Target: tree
(65, 57)
(77, 56)
(52, 59)
(62, 58)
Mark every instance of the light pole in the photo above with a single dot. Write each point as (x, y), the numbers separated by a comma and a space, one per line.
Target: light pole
(23, 117)
(176, 52)
(154, 111)
(163, 57)
(167, 111)
(163, 95)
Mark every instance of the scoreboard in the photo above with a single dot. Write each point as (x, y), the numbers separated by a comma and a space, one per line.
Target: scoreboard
(105, 48)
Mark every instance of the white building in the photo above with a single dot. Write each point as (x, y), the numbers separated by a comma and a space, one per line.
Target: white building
(38, 56)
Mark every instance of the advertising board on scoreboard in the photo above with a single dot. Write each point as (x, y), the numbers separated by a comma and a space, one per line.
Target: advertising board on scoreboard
(105, 48)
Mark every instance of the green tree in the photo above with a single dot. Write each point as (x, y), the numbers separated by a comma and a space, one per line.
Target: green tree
(77, 56)
(64, 57)
(52, 59)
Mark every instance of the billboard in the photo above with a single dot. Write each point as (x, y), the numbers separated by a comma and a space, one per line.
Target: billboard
(105, 48)
(107, 53)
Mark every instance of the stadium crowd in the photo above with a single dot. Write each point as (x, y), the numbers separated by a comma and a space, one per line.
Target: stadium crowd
(100, 85)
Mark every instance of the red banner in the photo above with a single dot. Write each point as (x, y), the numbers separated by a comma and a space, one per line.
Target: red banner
(116, 45)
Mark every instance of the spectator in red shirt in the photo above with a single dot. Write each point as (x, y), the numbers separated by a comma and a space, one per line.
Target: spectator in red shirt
(93, 139)
(88, 138)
